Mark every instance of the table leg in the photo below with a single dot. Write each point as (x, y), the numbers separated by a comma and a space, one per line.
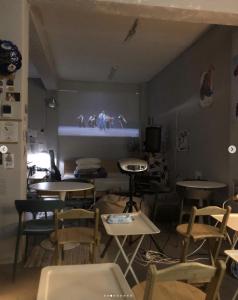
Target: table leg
(129, 262)
(119, 252)
(62, 195)
(235, 295)
(134, 255)
(235, 240)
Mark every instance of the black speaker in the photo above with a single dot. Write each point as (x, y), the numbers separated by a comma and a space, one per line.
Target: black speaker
(152, 139)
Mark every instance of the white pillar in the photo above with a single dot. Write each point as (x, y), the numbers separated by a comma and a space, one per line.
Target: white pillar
(14, 16)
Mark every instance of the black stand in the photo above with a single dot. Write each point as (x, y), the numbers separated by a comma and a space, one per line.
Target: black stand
(130, 204)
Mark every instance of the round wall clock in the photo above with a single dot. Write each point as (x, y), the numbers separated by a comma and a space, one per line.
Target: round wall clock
(10, 58)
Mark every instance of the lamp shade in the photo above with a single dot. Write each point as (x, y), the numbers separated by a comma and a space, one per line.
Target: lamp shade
(51, 102)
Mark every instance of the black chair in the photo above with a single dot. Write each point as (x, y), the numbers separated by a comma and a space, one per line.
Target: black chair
(34, 226)
(54, 171)
(150, 185)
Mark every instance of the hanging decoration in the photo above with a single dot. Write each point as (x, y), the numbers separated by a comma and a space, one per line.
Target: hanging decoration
(10, 58)
(206, 87)
(183, 141)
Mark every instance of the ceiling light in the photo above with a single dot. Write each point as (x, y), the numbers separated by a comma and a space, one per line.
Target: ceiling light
(51, 102)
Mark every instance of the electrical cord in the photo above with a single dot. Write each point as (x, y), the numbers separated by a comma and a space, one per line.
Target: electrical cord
(147, 257)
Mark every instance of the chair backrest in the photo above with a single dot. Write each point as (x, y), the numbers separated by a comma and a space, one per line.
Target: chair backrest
(74, 214)
(38, 205)
(54, 172)
(191, 272)
(209, 211)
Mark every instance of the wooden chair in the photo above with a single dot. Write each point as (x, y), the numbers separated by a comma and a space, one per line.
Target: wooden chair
(166, 284)
(190, 197)
(77, 234)
(196, 231)
(34, 226)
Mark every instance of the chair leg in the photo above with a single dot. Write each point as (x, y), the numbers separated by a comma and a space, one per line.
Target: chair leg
(62, 252)
(16, 257)
(55, 256)
(186, 242)
(59, 254)
(94, 253)
(181, 211)
(91, 253)
(210, 252)
(217, 249)
(26, 248)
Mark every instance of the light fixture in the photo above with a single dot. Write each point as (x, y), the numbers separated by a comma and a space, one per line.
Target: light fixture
(51, 102)
(112, 72)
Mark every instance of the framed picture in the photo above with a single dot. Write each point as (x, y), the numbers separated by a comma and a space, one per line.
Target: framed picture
(8, 131)
(8, 160)
(183, 141)
(206, 87)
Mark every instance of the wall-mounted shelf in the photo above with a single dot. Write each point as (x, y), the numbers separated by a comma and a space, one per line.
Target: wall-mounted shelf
(9, 119)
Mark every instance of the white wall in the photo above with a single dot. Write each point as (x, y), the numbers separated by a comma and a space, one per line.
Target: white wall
(42, 119)
(234, 101)
(174, 104)
(14, 27)
(36, 106)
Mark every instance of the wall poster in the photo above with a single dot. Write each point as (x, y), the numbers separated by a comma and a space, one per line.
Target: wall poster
(8, 131)
(183, 140)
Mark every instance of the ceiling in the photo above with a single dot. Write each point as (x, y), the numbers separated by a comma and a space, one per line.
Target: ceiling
(86, 44)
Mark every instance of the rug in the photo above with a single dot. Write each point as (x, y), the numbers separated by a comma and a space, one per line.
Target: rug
(41, 257)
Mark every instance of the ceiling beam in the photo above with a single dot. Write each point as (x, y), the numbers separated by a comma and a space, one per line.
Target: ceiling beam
(195, 11)
(40, 51)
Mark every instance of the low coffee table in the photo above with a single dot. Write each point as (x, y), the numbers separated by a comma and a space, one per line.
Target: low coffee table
(141, 225)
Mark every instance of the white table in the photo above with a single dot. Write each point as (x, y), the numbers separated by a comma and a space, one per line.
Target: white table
(232, 223)
(61, 187)
(37, 176)
(81, 282)
(201, 184)
(141, 225)
(198, 185)
(234, 255)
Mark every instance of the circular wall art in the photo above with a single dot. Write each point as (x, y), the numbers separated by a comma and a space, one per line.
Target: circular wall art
(10, 58)
(206, 87)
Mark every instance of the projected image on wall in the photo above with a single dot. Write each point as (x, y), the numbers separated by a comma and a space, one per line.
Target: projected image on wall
(109, 118)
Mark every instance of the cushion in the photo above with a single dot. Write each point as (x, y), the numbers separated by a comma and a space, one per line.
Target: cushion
(90, 173)
(88, 167)
(86, 161)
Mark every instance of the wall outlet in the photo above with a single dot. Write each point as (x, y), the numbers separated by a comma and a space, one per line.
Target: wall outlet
(198, 175)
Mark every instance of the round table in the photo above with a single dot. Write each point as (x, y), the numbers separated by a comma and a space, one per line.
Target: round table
(62, 187)
(201, 184)
(197, 185)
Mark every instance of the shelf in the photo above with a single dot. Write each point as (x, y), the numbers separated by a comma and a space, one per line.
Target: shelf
(9, 119)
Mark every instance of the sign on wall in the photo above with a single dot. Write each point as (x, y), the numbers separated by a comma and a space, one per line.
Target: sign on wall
(8, 131)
